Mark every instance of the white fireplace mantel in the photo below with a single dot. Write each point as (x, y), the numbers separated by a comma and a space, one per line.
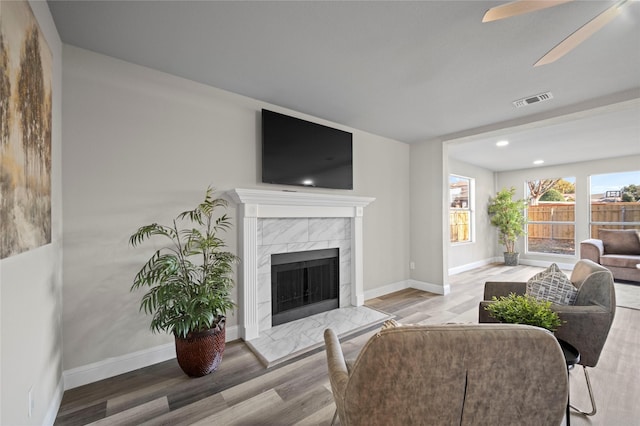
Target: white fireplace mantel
(299, 204)
(256, 203)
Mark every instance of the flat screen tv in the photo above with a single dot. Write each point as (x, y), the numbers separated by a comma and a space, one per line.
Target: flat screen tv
(298, 152)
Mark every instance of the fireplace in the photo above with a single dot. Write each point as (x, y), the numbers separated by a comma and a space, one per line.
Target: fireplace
(303, 284)
(273, 222)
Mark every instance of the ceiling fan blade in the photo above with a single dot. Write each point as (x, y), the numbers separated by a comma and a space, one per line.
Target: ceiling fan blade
(518, 7)
(580, 35)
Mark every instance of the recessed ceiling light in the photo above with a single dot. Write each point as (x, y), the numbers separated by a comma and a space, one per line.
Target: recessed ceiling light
(538, 162)
(502, 143)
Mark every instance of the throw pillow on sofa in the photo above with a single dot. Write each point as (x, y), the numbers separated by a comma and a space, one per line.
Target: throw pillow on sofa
(552, 285)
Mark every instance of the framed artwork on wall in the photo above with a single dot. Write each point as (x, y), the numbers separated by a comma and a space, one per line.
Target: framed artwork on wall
(25, 131)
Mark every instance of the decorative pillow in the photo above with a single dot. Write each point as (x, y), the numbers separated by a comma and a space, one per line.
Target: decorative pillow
(552, 285)
(620, 241)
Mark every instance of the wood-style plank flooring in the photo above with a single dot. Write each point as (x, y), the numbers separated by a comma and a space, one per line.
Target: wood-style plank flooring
(297, 392)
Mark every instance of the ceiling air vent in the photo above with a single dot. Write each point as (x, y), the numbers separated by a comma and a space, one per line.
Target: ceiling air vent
(533, 99)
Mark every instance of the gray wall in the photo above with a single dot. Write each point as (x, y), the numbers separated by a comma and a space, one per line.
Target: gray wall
(142, 146)
(482, 248)
(31, 292)
(429, 235)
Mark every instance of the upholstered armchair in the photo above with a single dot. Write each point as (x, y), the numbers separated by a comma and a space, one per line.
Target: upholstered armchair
(476, 374)
(586, 324)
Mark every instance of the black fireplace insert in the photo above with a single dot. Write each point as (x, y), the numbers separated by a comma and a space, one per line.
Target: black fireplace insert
(303, 284)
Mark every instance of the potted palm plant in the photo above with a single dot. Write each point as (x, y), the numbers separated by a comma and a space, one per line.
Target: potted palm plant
(189, 284)
(508, 216)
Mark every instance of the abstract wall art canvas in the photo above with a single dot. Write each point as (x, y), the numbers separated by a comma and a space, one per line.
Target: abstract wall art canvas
(25, 131)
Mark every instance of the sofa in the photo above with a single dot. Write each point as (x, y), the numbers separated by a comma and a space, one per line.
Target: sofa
(616, 249)
(453, 374)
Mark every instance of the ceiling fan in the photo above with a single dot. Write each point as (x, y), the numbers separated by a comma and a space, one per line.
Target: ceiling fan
(519, 7)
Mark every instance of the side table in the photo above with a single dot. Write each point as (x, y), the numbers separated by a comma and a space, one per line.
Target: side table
(571, 357)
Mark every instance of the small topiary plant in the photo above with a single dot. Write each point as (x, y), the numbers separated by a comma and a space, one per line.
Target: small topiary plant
(524, 309)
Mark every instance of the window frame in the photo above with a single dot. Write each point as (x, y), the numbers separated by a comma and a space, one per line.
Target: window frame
(550, 223)
(602, 224)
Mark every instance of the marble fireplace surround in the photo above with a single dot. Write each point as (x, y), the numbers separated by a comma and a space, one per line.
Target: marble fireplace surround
(272, 222)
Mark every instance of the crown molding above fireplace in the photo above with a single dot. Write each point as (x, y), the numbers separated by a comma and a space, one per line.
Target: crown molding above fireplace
(255, 204)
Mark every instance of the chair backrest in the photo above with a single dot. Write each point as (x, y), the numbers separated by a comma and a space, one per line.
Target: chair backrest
(595, 285)
(458, 374)
(587, 323)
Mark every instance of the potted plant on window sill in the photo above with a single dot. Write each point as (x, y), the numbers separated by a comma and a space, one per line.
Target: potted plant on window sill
(189, 284)
(507, 215)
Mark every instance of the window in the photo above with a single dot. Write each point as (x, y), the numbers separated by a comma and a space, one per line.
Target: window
(461, 209)
(615, 201)
(551, 216)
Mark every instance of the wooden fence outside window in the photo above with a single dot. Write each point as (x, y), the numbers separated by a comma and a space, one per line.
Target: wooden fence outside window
(459, 226)
(559, 212)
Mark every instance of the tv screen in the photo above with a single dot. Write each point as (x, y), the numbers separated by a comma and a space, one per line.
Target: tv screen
(298, 152)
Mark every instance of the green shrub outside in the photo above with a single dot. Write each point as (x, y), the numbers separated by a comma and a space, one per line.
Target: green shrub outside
(552, 195)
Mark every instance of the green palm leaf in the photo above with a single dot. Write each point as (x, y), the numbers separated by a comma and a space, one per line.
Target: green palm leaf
(189, 281)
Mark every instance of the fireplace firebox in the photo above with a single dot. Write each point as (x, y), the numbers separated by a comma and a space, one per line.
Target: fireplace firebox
(303, 284)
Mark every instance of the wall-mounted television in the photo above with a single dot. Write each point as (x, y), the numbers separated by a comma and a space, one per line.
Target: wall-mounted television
(302, 153)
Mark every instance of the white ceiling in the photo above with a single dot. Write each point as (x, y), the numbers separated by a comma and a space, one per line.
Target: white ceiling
(410, 71)
(607, 132)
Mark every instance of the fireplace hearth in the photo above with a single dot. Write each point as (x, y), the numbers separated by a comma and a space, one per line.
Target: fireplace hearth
(303, 284)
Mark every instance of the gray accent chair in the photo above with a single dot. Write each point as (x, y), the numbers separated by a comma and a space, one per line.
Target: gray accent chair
(586, 324)
(479, 374)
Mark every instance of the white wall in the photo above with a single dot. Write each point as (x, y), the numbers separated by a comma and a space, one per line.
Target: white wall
(30, 292)
(142, 146)
(481, 250)
(581, 171)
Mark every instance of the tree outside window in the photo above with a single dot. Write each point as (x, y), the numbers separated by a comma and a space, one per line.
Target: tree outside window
(551, 216)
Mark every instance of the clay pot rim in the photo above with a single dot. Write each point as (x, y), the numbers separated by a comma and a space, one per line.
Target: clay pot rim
(219, 328)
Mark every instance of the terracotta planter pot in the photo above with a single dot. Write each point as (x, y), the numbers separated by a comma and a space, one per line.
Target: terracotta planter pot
(200, 353)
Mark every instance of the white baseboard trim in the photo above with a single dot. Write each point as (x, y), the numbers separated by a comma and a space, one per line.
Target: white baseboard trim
(401, 285)
(111, 367)
(469, 266)
(431, 288)
(546, 263)
(500, 259)
(117, 365)
(54, 406)
(384, 290)
(233, 333)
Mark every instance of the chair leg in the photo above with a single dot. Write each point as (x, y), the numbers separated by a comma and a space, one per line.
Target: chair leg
(335, 415)
(593, 401)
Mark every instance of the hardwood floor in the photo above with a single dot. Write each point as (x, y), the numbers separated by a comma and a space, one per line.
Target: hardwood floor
(297, 392)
